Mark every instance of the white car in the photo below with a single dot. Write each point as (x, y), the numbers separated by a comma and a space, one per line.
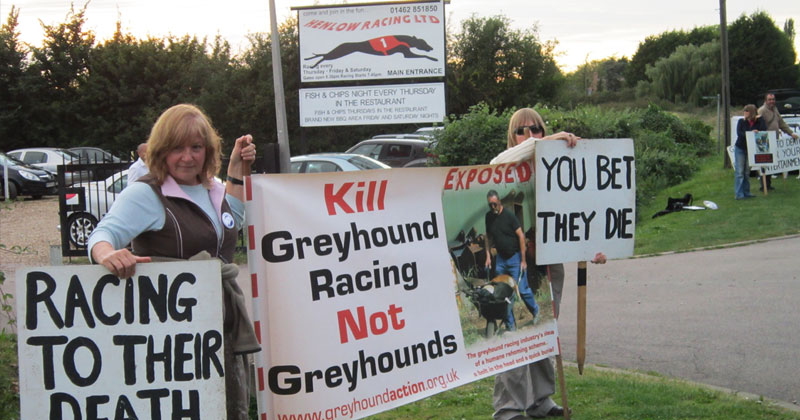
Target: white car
(48, 158)
(85, 210)
(333, 162)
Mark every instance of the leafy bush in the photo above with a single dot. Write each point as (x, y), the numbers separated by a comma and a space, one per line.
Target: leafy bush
(474, 138)
(694, 133)
(591, 121)
(9, 387)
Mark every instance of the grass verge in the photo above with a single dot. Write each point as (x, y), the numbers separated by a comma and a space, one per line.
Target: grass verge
(603, 394)
(769, 216)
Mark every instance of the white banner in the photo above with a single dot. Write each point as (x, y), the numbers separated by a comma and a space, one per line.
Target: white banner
(382, 41)
(367, 287)
(92, 345)
(585, 200)
(364, 105)
(785, 152)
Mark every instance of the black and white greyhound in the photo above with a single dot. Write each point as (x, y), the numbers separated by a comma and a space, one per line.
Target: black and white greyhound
(385, 45)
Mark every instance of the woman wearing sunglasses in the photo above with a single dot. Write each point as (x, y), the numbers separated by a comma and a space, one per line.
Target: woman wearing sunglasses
(524, 392)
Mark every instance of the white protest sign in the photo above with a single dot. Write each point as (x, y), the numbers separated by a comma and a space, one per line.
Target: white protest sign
(786, 156)
(585, 200)
(761, 148)
(364, 105)
(355, 286)
(380, 41)
(94, 346)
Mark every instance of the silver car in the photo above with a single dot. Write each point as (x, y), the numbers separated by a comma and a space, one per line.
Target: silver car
(333, 162)
(86, 209)
(48, 158)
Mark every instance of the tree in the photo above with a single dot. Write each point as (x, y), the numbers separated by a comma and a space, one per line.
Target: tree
(61, 65)
(761, 57)
(688, 74)
(659, 46)
(788, 29)
(12, 80)
(490, 63)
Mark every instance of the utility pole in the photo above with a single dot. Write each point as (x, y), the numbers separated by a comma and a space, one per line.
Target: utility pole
(726, 87)
(280, 100)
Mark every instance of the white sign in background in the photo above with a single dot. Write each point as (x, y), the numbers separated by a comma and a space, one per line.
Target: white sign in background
(348, 337)
(585, 200)
(92, 345)
(784, 149)
(364, 105)
(384, 41)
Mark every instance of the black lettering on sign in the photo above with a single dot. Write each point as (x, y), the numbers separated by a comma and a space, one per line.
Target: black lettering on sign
(185, 303)
(47, 343)
(57, 400)
(566, 170)
(155, 396)
(97, 300)
(69, 361)
(77, 299)
(129, 354)
(608, 169)
(567, 227)
(33, 297)
(617, 222)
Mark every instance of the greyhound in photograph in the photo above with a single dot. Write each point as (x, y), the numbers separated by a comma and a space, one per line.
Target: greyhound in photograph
(385, 45)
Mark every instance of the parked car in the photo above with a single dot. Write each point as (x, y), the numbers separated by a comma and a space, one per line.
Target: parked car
(95, 156)
(48, 158)
(25, 179)
(88, 154)
(86, 209)
(333, 162)
(397, 151)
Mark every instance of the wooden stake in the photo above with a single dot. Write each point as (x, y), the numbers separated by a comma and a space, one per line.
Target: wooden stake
(562, 385)
(581, 352)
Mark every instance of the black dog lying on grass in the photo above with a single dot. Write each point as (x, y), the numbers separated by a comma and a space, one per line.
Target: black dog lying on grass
(385, 45)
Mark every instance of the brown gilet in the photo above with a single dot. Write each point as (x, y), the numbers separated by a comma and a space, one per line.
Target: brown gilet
(187, 230)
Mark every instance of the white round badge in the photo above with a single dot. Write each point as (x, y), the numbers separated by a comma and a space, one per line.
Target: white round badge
(227, 220)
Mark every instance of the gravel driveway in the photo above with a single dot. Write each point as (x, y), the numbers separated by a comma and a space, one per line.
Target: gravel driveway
(27, 229)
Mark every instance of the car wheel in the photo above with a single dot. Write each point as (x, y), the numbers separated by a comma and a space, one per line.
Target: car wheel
(81, 225)
(12, 190)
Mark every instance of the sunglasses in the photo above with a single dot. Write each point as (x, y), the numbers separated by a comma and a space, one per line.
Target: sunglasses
(492, 205)
(534, 129)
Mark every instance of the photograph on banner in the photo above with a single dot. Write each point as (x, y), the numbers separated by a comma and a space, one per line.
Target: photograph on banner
(761, 147)
(367, 105)
(360, 283)
(92, 345)
(585, 200)
(378, 41)
(786, 154)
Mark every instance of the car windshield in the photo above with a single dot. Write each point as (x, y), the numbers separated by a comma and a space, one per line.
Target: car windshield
(4, 159)
(67, 155)
(362, 163)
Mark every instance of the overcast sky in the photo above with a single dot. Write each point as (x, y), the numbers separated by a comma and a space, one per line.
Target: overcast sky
(584, 29)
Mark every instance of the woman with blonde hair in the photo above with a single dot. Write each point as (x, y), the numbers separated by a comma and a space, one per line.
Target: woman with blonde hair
(526, 391)
(179, 211)
(741, 174)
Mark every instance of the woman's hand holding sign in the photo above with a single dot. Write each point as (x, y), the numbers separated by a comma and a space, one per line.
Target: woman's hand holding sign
(120, 262)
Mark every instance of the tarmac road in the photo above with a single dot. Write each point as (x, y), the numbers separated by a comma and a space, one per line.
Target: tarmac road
(726, 317)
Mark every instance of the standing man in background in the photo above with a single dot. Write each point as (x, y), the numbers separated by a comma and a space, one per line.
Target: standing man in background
(139, 168)
(772, 118)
